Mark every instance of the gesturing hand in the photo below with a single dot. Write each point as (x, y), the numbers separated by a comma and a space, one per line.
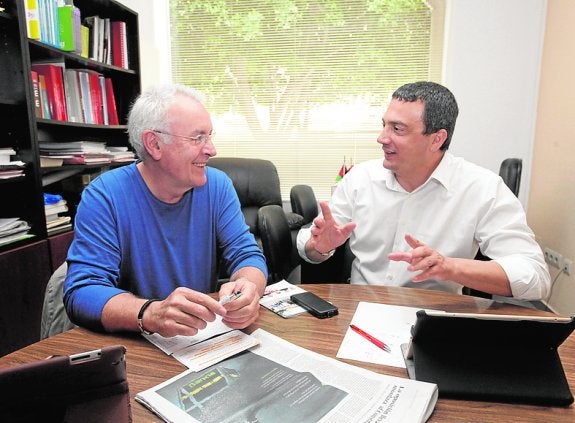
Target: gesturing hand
(326, 234)
(423, 258)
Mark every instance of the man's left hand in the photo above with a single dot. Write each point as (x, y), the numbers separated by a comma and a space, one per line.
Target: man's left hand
(425, 259)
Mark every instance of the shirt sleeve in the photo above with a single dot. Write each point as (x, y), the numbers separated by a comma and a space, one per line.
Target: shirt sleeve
(505, 237)
(91, 258)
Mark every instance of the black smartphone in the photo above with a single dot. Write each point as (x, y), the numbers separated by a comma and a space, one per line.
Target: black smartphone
(317, 306)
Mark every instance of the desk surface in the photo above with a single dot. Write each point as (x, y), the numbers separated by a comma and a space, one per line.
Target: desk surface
(148, 366)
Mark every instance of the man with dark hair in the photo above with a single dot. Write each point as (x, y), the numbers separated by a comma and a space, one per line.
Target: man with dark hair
(419, 218)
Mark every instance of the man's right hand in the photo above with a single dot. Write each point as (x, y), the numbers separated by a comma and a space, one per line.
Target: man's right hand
(326, 234)
(183, 312)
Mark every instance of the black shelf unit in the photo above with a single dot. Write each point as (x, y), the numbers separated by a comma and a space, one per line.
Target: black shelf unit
(21, 130)
(26, 265)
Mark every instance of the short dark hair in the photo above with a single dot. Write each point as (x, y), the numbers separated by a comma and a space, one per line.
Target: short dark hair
(439, 106)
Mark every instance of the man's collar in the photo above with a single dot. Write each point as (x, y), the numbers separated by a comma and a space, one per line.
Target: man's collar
(441, 174)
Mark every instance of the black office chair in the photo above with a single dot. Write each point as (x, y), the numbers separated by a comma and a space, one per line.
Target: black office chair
(303, 202)
(277, 242)
(510, 172)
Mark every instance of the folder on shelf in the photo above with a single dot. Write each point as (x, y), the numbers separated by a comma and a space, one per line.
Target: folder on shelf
(69, 18)
(499, 358)
(119, 46)
(32, 19)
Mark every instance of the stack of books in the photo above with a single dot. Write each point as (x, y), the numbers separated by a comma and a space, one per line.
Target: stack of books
(13, 229)
(10, 169)
(54, 204)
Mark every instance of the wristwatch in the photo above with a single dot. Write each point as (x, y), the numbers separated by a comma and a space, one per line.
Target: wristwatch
(328, 254)
(143, 330)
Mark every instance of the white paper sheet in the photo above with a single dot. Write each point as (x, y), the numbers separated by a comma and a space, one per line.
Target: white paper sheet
(388, 323)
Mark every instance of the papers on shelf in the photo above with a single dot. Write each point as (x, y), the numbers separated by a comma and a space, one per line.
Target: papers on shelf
(209, 346)
(389, 323)
(12, 169)
(279, 380)
(13, 229)
(82, 152)
(276, 298)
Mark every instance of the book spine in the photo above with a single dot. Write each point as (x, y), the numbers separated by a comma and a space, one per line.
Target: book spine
(32, 19)
(85, 96)
(66, 20)
(119, 47)
(102, 81)
(96, 97)
(77, 23)
(44, 97)
(36, 89)
(85, 34)
(55, 24)
(43, 19)
(91, 23)
(72, 91)
(112, 112)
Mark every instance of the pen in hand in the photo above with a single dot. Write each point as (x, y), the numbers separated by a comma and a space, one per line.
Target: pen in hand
(370, 338)
(231, 297)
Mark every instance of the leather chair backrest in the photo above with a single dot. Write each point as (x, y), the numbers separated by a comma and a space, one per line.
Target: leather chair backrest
(303, 202)
(510, 172)
(256, 182)
(277, 242)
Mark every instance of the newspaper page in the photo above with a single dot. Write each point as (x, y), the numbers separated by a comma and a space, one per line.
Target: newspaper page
(278, 378)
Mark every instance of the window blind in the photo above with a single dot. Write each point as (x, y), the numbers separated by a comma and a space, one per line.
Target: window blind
(303, 84)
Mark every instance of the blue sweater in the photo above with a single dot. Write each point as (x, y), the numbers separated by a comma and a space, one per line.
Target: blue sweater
(128, 240)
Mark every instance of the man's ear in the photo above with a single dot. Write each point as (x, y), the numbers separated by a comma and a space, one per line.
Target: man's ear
(152, 143)
(438, 139)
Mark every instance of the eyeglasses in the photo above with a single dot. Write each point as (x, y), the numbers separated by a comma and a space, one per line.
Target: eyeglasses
(197, 140)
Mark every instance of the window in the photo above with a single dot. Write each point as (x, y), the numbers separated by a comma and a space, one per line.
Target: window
(303, 84)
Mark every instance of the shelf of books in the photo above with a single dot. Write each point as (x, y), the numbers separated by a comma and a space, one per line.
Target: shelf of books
(69, 72)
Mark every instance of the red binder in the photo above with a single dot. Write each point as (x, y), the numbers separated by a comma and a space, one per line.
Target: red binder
(112, 112)
(119, 47)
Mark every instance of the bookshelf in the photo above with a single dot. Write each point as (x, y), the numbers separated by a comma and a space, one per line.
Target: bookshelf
(22, 130)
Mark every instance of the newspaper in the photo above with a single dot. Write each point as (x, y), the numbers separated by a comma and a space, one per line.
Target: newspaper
(280, 380)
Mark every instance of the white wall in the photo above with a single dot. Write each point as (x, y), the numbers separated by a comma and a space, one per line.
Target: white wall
(155, 62)
(492, 65)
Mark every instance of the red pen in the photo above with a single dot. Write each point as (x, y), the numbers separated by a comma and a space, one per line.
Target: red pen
(370, 338)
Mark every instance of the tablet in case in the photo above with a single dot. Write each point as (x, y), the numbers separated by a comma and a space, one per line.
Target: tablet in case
(486, 357)
(83, 388)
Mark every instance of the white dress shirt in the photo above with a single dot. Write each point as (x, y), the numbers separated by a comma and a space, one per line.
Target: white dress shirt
(460, 208)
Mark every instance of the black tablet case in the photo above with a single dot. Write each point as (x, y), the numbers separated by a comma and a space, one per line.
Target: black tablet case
(55, 390)
(491, 360)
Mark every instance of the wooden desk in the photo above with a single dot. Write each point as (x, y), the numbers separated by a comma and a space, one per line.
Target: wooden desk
(148, 366)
